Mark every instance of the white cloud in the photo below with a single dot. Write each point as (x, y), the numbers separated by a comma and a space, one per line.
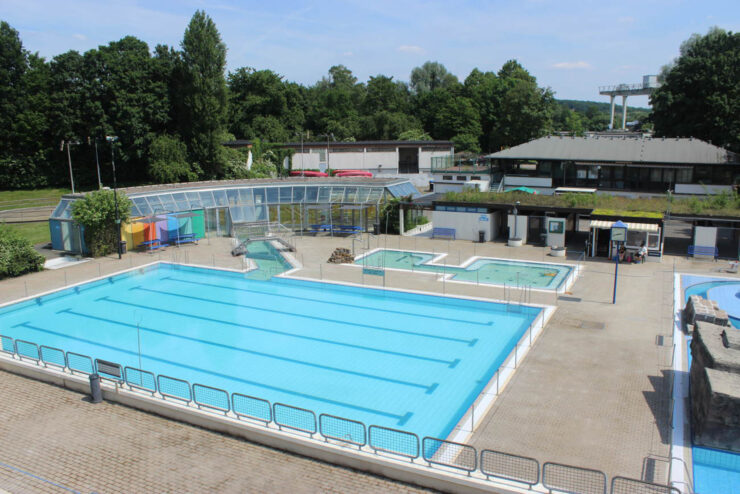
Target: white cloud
(572, 65)
(79, 36)
(410, 49)
(347, 53)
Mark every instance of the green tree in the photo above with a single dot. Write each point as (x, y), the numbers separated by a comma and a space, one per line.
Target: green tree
(168, 161)
(204, 94)
(13, 66)
(430, 76)
(17, 255)
(96, 212)
(414, 135)
(700, 94)
(334, 104)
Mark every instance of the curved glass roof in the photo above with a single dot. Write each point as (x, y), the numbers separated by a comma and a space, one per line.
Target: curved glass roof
(215, 194)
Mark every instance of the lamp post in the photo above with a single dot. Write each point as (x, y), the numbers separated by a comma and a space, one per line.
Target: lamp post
(618, 236)
(97, 164)
(516, 218)
(112, 140)
(68, 143)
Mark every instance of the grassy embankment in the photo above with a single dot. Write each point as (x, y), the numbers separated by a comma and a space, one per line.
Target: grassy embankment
(36, 232)
(726, 204)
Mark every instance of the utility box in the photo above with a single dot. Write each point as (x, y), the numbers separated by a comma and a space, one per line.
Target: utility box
(555, 232)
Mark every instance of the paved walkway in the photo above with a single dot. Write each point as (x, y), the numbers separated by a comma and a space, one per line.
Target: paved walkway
(592, 392)
(106, 448)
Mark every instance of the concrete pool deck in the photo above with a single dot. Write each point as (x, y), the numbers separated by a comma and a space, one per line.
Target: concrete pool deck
(593, 391)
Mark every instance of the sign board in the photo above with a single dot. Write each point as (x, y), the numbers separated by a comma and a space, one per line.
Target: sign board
(483, 217)
(619, 234)
(374, 272)
(109, 368)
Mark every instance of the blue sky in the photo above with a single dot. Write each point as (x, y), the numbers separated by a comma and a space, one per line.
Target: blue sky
(572, 47)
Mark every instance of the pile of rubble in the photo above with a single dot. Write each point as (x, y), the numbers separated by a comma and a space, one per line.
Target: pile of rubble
(341, 256)
(701, 309)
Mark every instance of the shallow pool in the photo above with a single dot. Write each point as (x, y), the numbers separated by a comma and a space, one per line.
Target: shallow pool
(481, 270)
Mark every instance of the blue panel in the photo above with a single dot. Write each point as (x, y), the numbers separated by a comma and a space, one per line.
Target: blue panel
(55, 229)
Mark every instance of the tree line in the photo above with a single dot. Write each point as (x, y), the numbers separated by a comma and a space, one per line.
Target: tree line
(173, 108)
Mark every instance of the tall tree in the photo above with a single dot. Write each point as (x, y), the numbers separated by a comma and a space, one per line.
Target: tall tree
(204, 94)
(13, 65)
(700, 94)
(430, 76)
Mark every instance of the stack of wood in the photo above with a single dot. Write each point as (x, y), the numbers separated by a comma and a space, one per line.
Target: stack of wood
(341, 256)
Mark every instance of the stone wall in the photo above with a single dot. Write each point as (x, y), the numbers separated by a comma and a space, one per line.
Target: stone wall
(715, 386)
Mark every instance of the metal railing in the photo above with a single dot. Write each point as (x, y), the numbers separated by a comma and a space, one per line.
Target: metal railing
(453, 456)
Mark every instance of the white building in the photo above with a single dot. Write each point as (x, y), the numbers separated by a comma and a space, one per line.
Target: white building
(384, 159)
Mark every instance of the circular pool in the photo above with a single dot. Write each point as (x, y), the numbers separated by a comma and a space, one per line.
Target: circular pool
(728, 298)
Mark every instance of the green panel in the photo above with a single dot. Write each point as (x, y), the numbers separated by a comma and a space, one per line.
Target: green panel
(198, 224)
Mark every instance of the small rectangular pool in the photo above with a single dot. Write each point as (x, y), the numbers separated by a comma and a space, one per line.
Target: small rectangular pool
(395, 359)
(492, 271)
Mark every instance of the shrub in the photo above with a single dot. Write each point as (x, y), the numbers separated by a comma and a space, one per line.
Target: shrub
(168, 161)
(97, 214)
(17, 255)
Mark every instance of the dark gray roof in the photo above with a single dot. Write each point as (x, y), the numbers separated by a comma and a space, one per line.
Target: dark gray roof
(620, 149)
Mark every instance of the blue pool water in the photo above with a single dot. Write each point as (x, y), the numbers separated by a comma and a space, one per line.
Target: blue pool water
(395, 359)
(484, 270)
(715, 471)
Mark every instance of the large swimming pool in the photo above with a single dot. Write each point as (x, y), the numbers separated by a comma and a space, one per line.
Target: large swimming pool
(396, 359)
(486, 270)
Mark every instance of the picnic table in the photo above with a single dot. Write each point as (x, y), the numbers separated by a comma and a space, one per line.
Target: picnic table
(186, 238)
(153, 244)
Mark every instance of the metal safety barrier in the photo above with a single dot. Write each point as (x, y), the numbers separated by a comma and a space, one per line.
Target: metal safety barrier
(171, 387)
(573, 480)
(26, 349)
(6, 345)
(251, 407)
(449, 454)
(213, 398)
(341, 429)
(393, 441)
(490, 463)
(623, 485)
(510, 467)
(53, 356)
(140, 379)
(298, 419)
(76, 362)
(109, 370)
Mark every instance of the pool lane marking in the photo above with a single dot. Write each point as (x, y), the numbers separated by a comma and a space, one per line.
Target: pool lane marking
(304, 316)
(429, 388)
(436, 318)
(400, 418)
(450, 364)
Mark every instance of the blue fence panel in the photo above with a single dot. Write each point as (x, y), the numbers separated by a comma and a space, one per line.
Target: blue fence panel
(450, 454)
(208, 397)
(27, 349)
(140, 379)
(53, 356)
(80, 363)
(251, 407)
(6, 345)
(295, 418)
(394, 441)
(345, 430)
(174, 388)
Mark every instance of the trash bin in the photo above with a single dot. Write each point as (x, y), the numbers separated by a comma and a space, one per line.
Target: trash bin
(376, 228)
(123, 247)
(481, 236)
(96, 394)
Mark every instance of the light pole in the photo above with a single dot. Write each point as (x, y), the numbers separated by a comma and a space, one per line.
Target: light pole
(69, 159)
(516, 217)
(97, 164)
(112, 140)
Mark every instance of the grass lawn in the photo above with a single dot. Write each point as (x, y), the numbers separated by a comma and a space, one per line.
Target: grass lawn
(14, 199)
(36, 233)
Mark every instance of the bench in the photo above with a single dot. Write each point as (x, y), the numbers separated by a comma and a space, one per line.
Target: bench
(185, 239)
(703, 250)
(443, 232)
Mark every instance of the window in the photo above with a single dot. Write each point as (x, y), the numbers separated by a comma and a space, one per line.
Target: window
(635, 238)
(684, 175)
(462, 178)
(322, 155)
(446, 177)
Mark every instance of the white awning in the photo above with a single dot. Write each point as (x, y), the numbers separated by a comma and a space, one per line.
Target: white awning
(635, 227)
